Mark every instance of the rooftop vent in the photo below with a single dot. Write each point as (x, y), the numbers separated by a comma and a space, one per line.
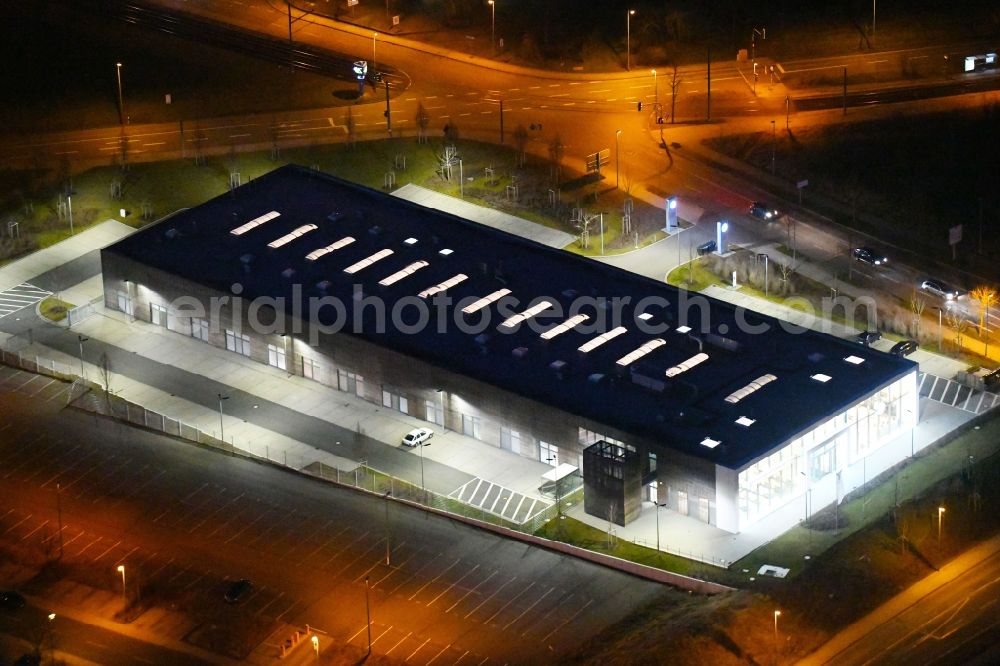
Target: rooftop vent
(375, 230)
(288, 273)
(519, 352)
(171, 233)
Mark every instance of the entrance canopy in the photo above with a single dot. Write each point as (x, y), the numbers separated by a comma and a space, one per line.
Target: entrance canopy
(559, 472)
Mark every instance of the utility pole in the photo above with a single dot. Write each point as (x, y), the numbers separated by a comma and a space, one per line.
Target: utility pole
(708, 89)
(387, 550)
(388, 117)
(845, 91)
(59, 515)
(788, 102)
(501, 121)
(773, 142)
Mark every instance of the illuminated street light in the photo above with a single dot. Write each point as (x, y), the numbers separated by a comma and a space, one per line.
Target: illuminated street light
(222, 430)
(776, 614)
(80, 339)
(368, 616)
(618, 139)
(773, 141)
(121, 104)
(628, 39)
(493, 24)
(656, 95)
(121, 570)
(940, 516)
(374, 35)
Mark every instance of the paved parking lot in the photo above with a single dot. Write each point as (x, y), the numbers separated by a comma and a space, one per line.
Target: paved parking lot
(950, 392)
(21, 296)
(186, 520)
(499, 501)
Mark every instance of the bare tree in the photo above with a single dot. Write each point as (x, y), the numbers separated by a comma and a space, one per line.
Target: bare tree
(675, 82)
(917, 306)
(423, 119)
(556, 151)
(986, 297)
(520, 144)
(104, 371)
(959, 323)
(451, 133)
(352, 128)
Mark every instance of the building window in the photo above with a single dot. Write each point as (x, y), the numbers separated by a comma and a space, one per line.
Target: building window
(404, 405)
(548, 453)
(386, 399)
(158, 314)
(434, 412)
(682, 502)
(199, 329)
(276, 357)
(704, 515)
(237, 342)
(310, 368)
(351, 383)
(393, 401)
(588, 437)
(471, 426)
(510, 440)
(125, 303)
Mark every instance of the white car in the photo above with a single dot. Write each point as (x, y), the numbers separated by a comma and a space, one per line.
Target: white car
(417, 437)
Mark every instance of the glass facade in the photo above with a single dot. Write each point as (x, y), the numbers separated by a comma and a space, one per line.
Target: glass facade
(831, 446)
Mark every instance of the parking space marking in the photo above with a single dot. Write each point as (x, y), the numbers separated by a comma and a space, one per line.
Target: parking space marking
(414, 574)
(526, 610)
(15, 525)
(462, 598)
(495, 592)
(420, 589)
(398, 643)
(572, 617)
(112, 547)
(432, 659)
(504, 607)
(40, 526)
(448, 589)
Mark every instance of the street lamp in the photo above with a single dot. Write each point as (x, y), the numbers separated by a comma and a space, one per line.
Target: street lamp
(121, 104)
(493, 25)
(423, 488)
(387, 528)
(659, 489)
(776, 614)
(80, 339)
(773, 142)
(656, 95)
(222, 428)
(368, 615)
(940, 516)
(721, 227)
(618, 138)
(121, 570)
(628, 39)
(374, 35)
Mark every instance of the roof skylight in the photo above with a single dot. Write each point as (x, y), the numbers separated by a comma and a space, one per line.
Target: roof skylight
(856, 360)
(683, 329)
(402, 273)
(289, 237)
(368, 261)
(687, 365)
(820, 377)
(746, 422)
(534, 310)
(565, 326)
(590, 345)
(755, 385)
(634, 356)
(333, 247)
(485, 300)
(447, 284)
(710, 443)
(254, 223)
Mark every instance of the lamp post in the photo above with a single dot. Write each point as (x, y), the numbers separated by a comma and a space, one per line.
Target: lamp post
(374, 36)
(121, 104)
(628, 39)
(222, 428)
(493, 25)
(873, 20)
(656, 95)
(940, 516)
(659, 487)
(618, 138)
(368, 616)
(59, 516)
(940, 328)
(80, 339)
(777, 613)
(387, 550)
(121, 570)
(774, 139)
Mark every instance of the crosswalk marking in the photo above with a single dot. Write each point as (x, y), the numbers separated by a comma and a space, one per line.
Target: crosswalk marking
(23, 295)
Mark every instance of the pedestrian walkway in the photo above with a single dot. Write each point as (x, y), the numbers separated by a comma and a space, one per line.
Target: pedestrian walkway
(20, 297)
(950, 392)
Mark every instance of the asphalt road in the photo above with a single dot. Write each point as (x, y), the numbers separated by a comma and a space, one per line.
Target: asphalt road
(184, 520)
(949, 618)
(86, 641)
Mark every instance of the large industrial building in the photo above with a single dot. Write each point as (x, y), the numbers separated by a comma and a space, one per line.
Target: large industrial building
(653, 393)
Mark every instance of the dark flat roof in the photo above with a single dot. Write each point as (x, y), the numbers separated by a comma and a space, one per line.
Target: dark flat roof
(679, 411)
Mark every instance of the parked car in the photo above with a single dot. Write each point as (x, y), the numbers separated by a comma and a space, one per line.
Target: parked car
(762, 211)
(941, 289)
(992, 380)
(239, 591)
(11, 601)
(869, 256)
(904, 348)
(866, 338)
(417, 437)
(708, 247)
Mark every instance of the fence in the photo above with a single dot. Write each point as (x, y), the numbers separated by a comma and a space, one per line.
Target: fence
(81, 312)
(90, 396)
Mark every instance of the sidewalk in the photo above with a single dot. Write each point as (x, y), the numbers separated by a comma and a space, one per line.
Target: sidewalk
(909, 597)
